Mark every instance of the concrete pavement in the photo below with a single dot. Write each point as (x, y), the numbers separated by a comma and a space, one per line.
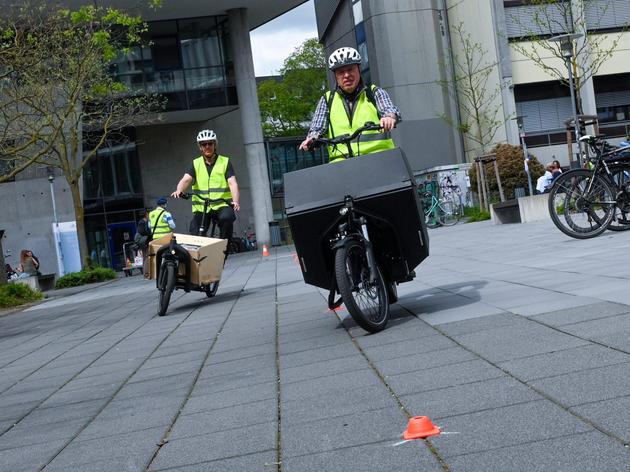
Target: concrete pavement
(515, 339)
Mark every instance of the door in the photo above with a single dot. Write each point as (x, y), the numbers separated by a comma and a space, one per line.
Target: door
(119, 234)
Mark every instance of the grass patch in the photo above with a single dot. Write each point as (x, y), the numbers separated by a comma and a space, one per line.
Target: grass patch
(475, 214)
(85, 276)
(17, 294)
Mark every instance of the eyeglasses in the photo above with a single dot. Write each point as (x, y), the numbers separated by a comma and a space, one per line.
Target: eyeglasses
(210, 143)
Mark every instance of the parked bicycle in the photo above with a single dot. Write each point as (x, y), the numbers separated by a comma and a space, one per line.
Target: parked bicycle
(173, 263)
(443, 212)
(583, 203)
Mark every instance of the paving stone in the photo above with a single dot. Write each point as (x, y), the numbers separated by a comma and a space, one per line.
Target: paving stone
(582, 313)
(563, 362)
(611, 415)
(200, 423)
(585, 452)
(506, 426)
(379, 457)
(338, 432)
(468, 398)
(27, 434)
(408, 348)
(29, 457)
(587, 386)
(506, 343)
(443, 376)
(122, 446)
(225, 444)
(339, 403)
(201, 400)
(256, 462)
(329, 384)
(324, 368)
(425, 360)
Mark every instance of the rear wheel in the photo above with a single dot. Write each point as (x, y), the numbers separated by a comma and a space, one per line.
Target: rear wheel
(166, 285)
(449, 213)
(366, 301)
(581, 205)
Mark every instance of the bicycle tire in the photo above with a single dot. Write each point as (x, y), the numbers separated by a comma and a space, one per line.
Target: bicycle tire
(366, 302)
(449, 213)
(579, 214)
(622, 209)
(166, 286)
(211, 289)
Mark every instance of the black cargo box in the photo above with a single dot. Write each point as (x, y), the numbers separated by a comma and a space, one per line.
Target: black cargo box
(383, 188)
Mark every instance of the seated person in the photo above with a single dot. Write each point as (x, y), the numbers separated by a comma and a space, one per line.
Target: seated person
(29, 264)
(545, 182)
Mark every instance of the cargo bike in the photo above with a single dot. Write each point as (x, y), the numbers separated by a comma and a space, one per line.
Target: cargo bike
(194, 263)
(358, 228)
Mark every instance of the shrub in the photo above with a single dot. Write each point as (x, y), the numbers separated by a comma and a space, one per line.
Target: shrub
(511, 171)
(475, 214)
(17, 294)
(85, 276)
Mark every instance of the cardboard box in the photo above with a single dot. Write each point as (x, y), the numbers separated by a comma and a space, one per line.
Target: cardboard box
(207, 256)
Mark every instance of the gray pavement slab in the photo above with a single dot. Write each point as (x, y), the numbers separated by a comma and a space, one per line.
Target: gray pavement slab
(515, 337)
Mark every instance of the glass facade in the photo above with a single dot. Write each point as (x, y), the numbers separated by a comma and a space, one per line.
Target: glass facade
(187, 61)
(284, 156)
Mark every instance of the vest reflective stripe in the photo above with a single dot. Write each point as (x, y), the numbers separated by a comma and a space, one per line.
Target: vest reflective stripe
(364, 110)
(158, 228)
(213, 186)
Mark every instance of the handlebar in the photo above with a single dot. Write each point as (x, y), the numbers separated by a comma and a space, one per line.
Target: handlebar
(189, 195)
(344, 138)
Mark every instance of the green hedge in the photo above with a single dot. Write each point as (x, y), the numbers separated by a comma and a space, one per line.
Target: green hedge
(86, 276)
(17, 294)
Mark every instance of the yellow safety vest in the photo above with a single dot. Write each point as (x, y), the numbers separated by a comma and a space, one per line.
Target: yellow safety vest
(211, 186)
(339, 123)
(159, 227)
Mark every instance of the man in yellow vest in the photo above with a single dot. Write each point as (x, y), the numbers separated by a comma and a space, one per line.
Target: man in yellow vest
(350, 106)
(212, 176)
(160, 221)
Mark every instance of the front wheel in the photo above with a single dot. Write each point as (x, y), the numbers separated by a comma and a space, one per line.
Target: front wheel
(449, 213)
(366, 301)
(581, 204)
(166, 285)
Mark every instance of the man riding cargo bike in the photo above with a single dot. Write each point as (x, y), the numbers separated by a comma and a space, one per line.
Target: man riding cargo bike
(357, 224)
(196, 262)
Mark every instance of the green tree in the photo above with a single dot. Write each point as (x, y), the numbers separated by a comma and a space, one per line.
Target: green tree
(548, 18)
(56, 91)
(479, 102)
(286, 105)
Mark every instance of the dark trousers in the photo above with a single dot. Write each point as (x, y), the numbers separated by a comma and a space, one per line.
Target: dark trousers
(224, 217)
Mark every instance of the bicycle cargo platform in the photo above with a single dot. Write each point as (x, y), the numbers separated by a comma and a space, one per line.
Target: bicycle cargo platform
(383, 189)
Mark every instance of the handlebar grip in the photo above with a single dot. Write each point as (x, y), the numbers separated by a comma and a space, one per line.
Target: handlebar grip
(185, 195)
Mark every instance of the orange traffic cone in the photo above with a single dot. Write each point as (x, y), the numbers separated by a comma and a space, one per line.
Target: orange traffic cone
(420, 427)
(265, 250)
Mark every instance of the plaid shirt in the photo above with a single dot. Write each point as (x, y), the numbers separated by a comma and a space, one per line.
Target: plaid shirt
(319, 122)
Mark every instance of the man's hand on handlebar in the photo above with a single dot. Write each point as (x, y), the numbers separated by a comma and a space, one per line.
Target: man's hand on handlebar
(176, 194)
(388, 123)
(307, 144)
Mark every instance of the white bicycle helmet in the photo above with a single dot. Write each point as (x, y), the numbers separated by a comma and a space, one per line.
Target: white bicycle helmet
(206, 135)
(343, 57)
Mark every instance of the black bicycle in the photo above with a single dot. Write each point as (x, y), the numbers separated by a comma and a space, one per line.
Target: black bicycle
(357, 227)
(583, 203)
(174, 264)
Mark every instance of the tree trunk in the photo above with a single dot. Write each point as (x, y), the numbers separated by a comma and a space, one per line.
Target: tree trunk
(78, 214)
(3, 271)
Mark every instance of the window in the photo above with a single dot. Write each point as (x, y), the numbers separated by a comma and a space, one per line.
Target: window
(188, 61)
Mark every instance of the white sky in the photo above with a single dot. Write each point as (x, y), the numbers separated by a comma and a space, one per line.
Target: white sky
(274, 41)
